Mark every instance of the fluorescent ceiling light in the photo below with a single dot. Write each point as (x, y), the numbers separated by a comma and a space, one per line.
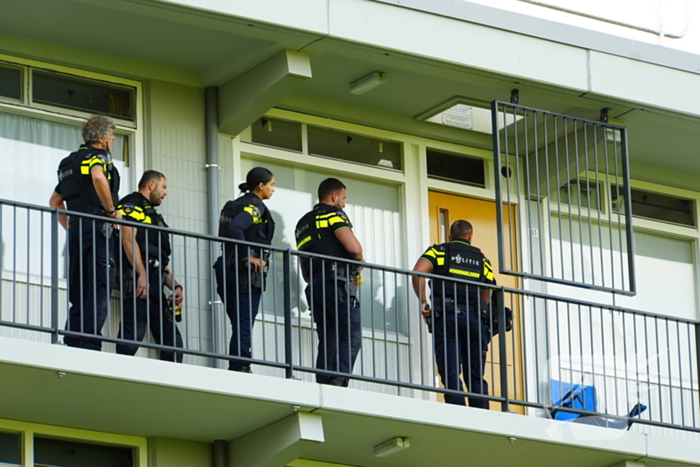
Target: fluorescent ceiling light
(367, 83)
(391, 446)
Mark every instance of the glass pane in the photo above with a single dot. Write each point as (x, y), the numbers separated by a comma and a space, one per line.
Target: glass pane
(452, 167)
(11, 83)
(368, 204)
(583, 194)
(655, 206)
(10, 448)
(59, 453)
(30, 151)
(277, 133)
(354, 148)
(80, 94)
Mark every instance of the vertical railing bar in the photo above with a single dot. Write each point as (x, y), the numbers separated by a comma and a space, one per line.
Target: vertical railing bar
(495, 137)
(680, 372)
(605, 374)
(578, 201)
(559, 215)
(287, 293)
(568, 191)
(624, 354)
(29, 241)
(503, 358)
(658, 365)
(54, 276)
(549, 196)
(372, 327)
(41, 269)
(14, 264)
(614, 354)
(588, 204)
(696, 327)
(528, 192)
(397, 330)
(670, 371)
(499, 206)
(609, 205)
(599, 203)
(628, 217)
(540, 214)
(628, 207)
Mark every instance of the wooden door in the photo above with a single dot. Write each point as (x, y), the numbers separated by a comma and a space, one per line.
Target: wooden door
(445, 209)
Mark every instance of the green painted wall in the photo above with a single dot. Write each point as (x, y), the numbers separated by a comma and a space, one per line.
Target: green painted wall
(167, 452)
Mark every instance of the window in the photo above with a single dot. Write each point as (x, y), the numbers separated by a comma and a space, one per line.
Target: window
(50, 452)
(655, 206)
(277, 134)
(86, 95)
(354, 148)
(580, 194)
(11, 82)
(10, 449)
(456, 168)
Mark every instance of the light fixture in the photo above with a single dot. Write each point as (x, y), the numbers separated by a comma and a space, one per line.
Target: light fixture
(391, 446)
(367, 83)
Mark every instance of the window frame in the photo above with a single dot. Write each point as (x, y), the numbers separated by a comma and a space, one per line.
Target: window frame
(22, 83)
(27, 431)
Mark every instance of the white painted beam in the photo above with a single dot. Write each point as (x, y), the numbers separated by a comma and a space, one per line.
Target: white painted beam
(245, 98)
(278, 444)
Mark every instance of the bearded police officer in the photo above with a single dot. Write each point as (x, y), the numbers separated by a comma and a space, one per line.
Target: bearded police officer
(332, 284)
(460, 334)
(146, 255)
(88, 182)
(241, 271)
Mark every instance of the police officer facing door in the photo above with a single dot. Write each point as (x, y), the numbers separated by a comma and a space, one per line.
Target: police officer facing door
(331, 291)
(88, 183)
(240, 272)
(460, 335)
(145, 259)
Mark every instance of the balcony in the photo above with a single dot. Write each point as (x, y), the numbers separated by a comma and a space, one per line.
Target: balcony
(583, 362)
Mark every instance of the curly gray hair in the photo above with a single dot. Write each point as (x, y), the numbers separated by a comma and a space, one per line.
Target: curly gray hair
(97, 126)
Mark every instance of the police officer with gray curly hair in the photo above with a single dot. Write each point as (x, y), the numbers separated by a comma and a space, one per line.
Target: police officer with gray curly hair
(88, 183)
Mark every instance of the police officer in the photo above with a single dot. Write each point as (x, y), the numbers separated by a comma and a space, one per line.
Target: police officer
(460, 334)
(240, 272)
(146, 254)
(332, 289)
(88, 182)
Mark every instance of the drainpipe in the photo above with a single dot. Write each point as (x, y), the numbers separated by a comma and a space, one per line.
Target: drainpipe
(211, 110)
(220, 453)
(212, 142)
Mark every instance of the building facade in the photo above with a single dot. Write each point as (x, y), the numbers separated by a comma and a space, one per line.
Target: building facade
(394, 98)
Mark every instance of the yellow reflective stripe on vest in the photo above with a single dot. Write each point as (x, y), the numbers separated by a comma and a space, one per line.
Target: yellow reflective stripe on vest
(303, 242)
(464, 273)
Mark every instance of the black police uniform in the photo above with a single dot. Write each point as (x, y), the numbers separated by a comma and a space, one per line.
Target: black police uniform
(460, 334)
(154, 311)
(90, 243)
(239, 287)
(331, 292)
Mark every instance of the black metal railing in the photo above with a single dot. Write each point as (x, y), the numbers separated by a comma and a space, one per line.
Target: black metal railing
(538, 354)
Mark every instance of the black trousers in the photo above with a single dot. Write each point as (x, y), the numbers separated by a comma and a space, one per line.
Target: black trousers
(90, 277)
(338, 325)
(153, 313)
(461, 344)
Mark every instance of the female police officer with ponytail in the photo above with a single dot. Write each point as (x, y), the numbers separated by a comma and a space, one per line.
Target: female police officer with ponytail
(240, 271)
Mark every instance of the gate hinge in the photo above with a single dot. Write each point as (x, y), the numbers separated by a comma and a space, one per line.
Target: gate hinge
(514, 96)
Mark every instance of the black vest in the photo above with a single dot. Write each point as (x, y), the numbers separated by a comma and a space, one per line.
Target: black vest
(154, 244)
(319, 240)
(462, 261)
(75, 181)
(261, 232)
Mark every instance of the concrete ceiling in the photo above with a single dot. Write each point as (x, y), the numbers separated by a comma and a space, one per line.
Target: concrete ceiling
(217, 49)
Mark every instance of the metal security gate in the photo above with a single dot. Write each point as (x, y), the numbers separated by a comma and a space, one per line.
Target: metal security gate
(569, 178)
